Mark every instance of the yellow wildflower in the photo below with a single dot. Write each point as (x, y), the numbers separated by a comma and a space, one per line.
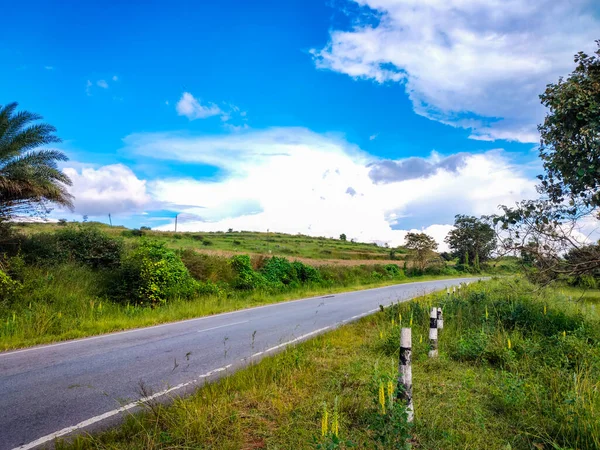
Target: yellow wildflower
(390, 392)
(382, 397)
(324, 420)
(509, 344)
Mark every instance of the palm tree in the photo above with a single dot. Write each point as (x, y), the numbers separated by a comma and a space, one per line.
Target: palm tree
(29, 177)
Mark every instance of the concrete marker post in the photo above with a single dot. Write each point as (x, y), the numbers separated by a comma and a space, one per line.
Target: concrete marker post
(405, 379)
(433, 333)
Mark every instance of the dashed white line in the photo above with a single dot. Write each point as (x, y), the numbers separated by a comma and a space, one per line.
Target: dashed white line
(223, 326)
(108, 414)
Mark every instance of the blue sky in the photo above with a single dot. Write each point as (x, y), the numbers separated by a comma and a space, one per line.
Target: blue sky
(214, 109)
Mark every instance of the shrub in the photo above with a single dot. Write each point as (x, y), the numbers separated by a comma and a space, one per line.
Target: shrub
(279, 271)
(154, 274)
(393, 270)
(44, 249)
(137, 233)
(306, 274)
(89, 245)
(8, 287)
(246, 278)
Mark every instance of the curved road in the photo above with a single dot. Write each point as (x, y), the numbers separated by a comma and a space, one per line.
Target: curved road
(88, 384)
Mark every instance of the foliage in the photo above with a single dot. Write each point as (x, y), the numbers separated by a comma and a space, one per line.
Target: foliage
(544, 230)
(153, 274)
(8, 287)
(29, 177)
(423, 247)
(85, 244)
(570, 134)
(246, 278)
(343, 237)
(471, 240)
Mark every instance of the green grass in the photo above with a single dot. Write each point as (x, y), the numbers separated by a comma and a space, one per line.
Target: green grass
(541, 393)
(278, 244)
(66, 302)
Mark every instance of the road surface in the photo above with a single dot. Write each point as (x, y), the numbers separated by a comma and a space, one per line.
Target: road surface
(89, 384)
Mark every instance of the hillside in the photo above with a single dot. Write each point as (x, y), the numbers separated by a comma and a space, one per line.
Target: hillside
(294, 247)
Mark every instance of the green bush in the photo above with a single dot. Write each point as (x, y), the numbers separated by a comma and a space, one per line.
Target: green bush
(153, 274)
(306, 274)
(8, 287)
(89, 245)
(86, 245)
(393, 270)
(246, 278)
(279, 271)
(43, 249)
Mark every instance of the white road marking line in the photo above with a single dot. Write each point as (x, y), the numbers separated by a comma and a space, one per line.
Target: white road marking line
(223, 326)
(299, 338)
(108, 414)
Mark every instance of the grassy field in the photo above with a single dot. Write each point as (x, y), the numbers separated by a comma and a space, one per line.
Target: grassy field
(276, 244)
(518, 368)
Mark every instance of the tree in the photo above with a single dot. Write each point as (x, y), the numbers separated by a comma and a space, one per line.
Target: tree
(29, 176)
(342, 237)
(472, 239)
(570, 135)
(548, 229)
(422, 245)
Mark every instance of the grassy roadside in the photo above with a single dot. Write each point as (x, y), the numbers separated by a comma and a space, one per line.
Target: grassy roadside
(518, 369)
(71, 288)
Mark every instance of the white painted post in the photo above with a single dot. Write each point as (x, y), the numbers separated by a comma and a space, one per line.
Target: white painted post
(440, 319)
(433, 333)
(405, 379)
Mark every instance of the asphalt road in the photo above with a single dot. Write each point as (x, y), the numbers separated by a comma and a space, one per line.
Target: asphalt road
(88, 384)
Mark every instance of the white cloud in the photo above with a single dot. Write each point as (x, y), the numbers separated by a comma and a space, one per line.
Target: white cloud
(102, 83)
(373, 136)
(88, 87)
(115, 78)
(49, 67)
(467, 63)
(111, 189)
(192, 108)
(293, 180)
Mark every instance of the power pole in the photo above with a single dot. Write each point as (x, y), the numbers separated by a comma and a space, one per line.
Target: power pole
(176, 222)
(109, 219)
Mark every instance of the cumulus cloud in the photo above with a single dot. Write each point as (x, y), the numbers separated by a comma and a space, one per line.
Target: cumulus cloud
(191, 107)
(111, 189)
(467, 63)
(387, 171)
(293, 180)
(102, 83)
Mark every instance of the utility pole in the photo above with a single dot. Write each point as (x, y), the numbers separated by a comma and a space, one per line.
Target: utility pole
(109, 219)
(176, 222)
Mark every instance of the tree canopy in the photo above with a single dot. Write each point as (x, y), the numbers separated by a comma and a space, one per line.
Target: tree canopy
(548, 230)
(29, 176)
(422, 246)
(472, 240)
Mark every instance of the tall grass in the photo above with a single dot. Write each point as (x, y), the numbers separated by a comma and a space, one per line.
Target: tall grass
(541, 392)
